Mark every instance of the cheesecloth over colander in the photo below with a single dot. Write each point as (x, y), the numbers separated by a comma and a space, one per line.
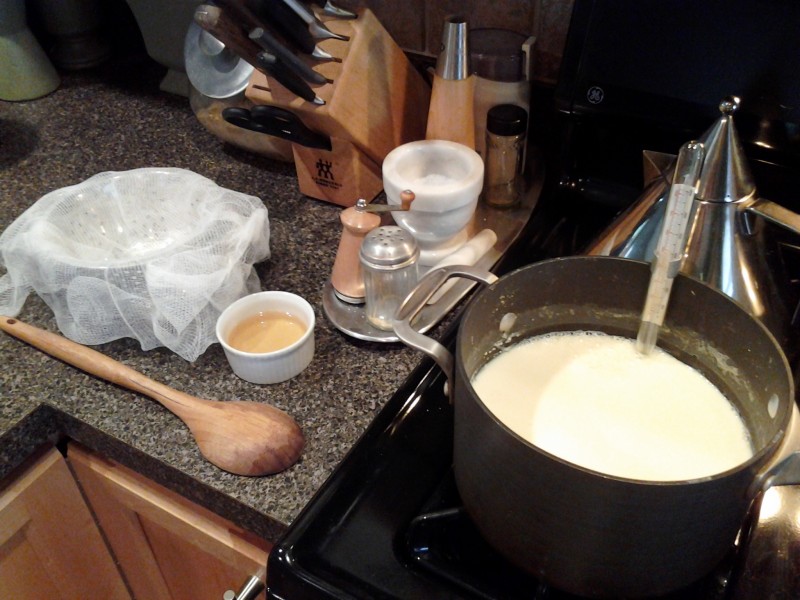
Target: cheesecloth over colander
(154, 254)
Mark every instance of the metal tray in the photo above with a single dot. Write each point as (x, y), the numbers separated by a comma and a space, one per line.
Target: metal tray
(507, 223)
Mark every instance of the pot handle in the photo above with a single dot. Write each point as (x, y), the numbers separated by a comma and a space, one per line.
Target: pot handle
(426, 287)
(784, 468)
(786, 472)
(762, 569)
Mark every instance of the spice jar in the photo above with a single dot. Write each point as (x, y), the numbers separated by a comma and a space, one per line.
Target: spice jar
(506, 125)
(389, 263)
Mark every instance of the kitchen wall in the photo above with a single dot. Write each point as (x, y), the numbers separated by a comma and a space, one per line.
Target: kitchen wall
(416, 25)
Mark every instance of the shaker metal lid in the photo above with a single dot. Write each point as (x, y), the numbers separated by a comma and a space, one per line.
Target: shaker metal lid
(726, 176)
(389, 247)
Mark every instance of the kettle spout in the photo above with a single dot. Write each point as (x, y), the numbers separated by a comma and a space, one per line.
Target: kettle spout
(657, 165)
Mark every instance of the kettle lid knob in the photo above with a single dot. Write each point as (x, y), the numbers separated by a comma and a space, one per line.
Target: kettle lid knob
(726, 175)
(729, 105)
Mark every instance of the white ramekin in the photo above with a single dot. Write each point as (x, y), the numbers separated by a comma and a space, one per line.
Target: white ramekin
(268, 367)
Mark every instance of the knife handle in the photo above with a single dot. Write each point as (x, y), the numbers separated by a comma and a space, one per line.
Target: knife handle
(219, 24)
(268, 42)
(289, 123)
(241, 13)
(285, 21)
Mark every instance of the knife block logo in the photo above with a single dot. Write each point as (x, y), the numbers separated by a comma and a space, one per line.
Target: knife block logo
(325, 176)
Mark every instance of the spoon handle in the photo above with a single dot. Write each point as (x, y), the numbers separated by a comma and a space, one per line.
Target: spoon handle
(100, 365)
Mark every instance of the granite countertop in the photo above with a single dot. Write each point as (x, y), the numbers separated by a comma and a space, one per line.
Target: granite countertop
(115, 118)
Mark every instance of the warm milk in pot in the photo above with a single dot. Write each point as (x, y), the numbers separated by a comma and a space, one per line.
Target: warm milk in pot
(593, 400)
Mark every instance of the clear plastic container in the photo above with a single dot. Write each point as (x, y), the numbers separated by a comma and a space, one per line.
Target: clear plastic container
(500, 59)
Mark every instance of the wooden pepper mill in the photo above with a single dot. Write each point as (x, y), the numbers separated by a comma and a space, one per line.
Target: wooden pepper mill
(451, 110)
(346, 277)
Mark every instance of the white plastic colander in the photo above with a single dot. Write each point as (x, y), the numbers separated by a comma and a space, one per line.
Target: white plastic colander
(155, 254)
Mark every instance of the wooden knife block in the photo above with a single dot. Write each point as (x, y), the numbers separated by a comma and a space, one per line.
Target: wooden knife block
(377, 101)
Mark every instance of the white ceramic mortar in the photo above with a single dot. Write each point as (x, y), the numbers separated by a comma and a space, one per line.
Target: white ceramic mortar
(446, 179)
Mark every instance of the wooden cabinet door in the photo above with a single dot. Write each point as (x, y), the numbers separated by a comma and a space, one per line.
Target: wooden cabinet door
(50, 546)
(168, 548)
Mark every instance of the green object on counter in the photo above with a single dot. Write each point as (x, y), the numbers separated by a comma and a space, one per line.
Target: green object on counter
(25, 71)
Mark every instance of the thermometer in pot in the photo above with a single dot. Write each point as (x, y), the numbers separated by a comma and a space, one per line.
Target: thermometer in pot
(669, 251)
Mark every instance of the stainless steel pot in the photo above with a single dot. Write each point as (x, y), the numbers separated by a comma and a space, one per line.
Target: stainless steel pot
(582, 531)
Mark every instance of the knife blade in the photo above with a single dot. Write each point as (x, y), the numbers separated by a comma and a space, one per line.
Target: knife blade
(220, 24)
(317, 28)
(277, 60)
(284, 22)
(288, 78)
(330, 9)
(269, 43)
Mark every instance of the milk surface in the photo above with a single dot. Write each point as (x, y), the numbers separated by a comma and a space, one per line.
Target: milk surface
(592, 399)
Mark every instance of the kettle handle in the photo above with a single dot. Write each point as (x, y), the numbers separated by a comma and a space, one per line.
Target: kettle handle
(775, 213)
(416, 300)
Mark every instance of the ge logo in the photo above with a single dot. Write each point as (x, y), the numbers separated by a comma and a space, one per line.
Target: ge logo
(595, 95)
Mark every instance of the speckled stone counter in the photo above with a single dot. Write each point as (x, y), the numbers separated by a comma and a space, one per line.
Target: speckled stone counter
(115, 118)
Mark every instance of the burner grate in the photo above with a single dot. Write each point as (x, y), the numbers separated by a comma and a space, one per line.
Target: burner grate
(443, 541)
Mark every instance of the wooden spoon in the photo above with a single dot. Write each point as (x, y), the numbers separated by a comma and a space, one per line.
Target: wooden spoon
(245, 438)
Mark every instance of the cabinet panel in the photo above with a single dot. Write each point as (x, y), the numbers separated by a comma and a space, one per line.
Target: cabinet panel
(50, 546)
(23, 574)
(168, 547)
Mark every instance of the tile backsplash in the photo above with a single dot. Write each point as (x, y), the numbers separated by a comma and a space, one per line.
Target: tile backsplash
(416, 25)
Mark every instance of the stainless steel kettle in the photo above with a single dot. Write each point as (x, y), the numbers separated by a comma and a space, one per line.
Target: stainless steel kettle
(727, 245)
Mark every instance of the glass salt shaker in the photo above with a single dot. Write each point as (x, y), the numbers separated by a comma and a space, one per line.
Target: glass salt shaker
(389, 263)
(506, 125)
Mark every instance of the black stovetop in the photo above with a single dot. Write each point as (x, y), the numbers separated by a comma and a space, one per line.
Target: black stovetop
(388, 522)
